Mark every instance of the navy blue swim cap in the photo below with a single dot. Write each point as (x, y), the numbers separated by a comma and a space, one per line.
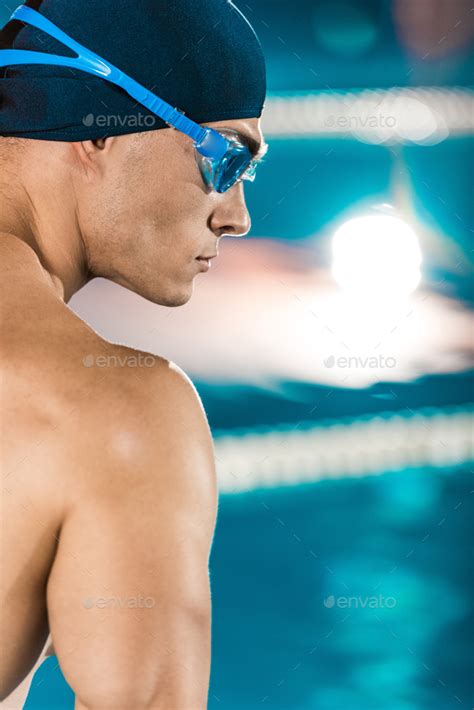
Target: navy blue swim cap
(201, 56)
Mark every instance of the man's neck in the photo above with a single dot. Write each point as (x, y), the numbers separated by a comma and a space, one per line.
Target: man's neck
(44, 224)
(21, 267)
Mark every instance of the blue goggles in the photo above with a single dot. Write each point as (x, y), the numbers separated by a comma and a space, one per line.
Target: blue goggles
(223, 160)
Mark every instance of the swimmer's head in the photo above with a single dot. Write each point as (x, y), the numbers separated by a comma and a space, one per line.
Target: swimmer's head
(146, 213)
(132, 184)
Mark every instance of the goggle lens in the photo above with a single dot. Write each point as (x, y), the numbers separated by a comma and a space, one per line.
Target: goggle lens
(235, 165)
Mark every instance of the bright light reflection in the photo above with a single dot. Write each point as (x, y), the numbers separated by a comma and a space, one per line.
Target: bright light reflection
(376, 257)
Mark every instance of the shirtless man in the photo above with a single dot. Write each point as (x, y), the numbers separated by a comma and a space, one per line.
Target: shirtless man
(109, 489)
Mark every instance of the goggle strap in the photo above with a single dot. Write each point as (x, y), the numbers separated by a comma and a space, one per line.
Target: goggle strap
(91, 63)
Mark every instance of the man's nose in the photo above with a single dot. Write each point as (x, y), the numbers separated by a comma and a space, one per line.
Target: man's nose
(231, 216)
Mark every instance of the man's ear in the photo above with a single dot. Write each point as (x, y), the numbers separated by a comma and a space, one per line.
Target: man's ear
(92, 155)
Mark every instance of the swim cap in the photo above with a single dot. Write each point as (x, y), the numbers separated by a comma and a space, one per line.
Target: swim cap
(201, 56)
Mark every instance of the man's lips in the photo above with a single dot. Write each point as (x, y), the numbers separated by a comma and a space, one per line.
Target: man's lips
(204, 264)
(205, 261)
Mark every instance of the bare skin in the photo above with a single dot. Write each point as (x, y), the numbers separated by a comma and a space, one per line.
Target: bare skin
(108, 475)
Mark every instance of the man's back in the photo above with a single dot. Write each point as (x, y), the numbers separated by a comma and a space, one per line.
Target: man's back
(109, 505)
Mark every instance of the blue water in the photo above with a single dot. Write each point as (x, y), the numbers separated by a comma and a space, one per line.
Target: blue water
(343, 595)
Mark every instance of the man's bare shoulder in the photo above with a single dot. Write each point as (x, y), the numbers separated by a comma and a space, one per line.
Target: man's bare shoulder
(92, 410)
(139, 409)
(119, 388)
(138, 383)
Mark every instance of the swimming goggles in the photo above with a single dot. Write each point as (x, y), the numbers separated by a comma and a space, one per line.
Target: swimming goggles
(222, 159)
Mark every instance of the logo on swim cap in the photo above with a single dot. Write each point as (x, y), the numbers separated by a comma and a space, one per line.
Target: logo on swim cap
(88, 120)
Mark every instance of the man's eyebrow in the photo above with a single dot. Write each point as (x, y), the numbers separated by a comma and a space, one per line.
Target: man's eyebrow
(257, 148)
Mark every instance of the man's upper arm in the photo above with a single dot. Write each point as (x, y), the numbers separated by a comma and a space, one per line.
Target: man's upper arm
(128, 596)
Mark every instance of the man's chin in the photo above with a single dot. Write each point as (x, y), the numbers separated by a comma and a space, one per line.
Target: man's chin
(171, 298)
(173, 302)
(171, 295)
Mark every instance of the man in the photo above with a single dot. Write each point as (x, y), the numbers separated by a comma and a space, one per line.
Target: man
(109, 491)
